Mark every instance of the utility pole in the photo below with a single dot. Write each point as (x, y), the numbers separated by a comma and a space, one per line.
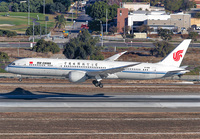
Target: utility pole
(18, 49)
(33, 30)
(124, 28)
(44, 7)
(28, 12)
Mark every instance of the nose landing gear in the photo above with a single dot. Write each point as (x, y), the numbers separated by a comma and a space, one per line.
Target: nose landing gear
(20, 77)
(97, 83)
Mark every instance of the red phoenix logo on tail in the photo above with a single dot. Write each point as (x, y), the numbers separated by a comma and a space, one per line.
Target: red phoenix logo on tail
(177, 55)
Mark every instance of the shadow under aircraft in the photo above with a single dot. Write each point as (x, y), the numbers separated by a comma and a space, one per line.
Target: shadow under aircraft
(20, 93)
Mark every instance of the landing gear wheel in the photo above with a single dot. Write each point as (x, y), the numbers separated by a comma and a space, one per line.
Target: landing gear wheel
(100, 85)
(95, 83)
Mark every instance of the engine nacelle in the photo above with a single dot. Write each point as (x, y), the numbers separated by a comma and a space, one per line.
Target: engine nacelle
(77, 76)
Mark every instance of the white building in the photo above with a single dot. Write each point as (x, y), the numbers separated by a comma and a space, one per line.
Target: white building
(138, 18)
(159, 19)
(135, 6)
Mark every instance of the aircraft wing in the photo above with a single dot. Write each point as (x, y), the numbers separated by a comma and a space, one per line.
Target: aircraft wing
(114, 57)
(105, 72)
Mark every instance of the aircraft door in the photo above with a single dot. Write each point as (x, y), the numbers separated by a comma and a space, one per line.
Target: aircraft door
(154, 72)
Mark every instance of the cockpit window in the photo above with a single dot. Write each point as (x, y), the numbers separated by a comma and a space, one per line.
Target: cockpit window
(13, 64)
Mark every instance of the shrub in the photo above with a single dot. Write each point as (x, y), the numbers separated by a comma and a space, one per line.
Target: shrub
(46, 46)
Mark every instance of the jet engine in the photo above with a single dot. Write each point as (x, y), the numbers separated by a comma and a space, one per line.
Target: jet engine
(77, 76)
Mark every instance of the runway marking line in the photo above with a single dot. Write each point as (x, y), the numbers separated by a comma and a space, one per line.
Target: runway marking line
(102, 119)
(112, 133)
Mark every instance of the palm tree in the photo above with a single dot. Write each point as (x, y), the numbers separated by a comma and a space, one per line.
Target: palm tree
(60, 21)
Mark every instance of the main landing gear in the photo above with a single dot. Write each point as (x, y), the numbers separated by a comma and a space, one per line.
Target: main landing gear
(180, 75)
(97, 83)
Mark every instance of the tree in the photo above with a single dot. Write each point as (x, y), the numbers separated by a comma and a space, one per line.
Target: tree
(113, 10)
(15, 7)
(197, 15)
(8, 33)
(66, 3)
(3, 7)
(178, 5)
(81, 47)
(46, 46)
(97, 55)
(98, 10)
(4, 57)
(23, 7)
(60, 21)
(165, 34)
(127, 29)
(37, 30)
(94, 25)
(51, 8)
(173, 5)
(113, 29)
(193, 36)
(161, 49)
(154, 2)
(187, 4)
(144, 28)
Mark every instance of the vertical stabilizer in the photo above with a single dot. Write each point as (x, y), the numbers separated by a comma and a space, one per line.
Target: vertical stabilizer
(176, 56)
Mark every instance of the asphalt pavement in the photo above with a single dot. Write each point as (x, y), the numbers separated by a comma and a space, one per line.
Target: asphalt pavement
(99, 103)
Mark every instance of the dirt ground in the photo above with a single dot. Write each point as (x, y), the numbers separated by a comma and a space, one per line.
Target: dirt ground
(134, 54)
(99, 125)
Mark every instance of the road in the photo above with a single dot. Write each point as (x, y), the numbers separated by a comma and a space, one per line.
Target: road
(112, 44)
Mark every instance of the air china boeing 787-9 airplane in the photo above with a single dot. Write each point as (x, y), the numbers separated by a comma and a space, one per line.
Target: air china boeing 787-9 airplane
(81, 70)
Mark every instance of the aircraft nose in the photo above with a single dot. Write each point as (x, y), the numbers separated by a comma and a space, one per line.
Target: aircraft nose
(6, 69)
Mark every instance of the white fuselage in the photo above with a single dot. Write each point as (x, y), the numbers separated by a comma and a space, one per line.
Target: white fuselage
(62, 67)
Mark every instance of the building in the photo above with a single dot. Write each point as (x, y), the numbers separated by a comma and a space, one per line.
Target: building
(178, 23)
(159, 19)
(122, 19)
(197, 3)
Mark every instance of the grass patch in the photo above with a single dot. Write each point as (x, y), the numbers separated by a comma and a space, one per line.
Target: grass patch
(2, 69)
(19, 20)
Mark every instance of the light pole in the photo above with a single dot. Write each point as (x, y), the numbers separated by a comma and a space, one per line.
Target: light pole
(106, 21)
(72, 16)
(101, 34)
(46, 27)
